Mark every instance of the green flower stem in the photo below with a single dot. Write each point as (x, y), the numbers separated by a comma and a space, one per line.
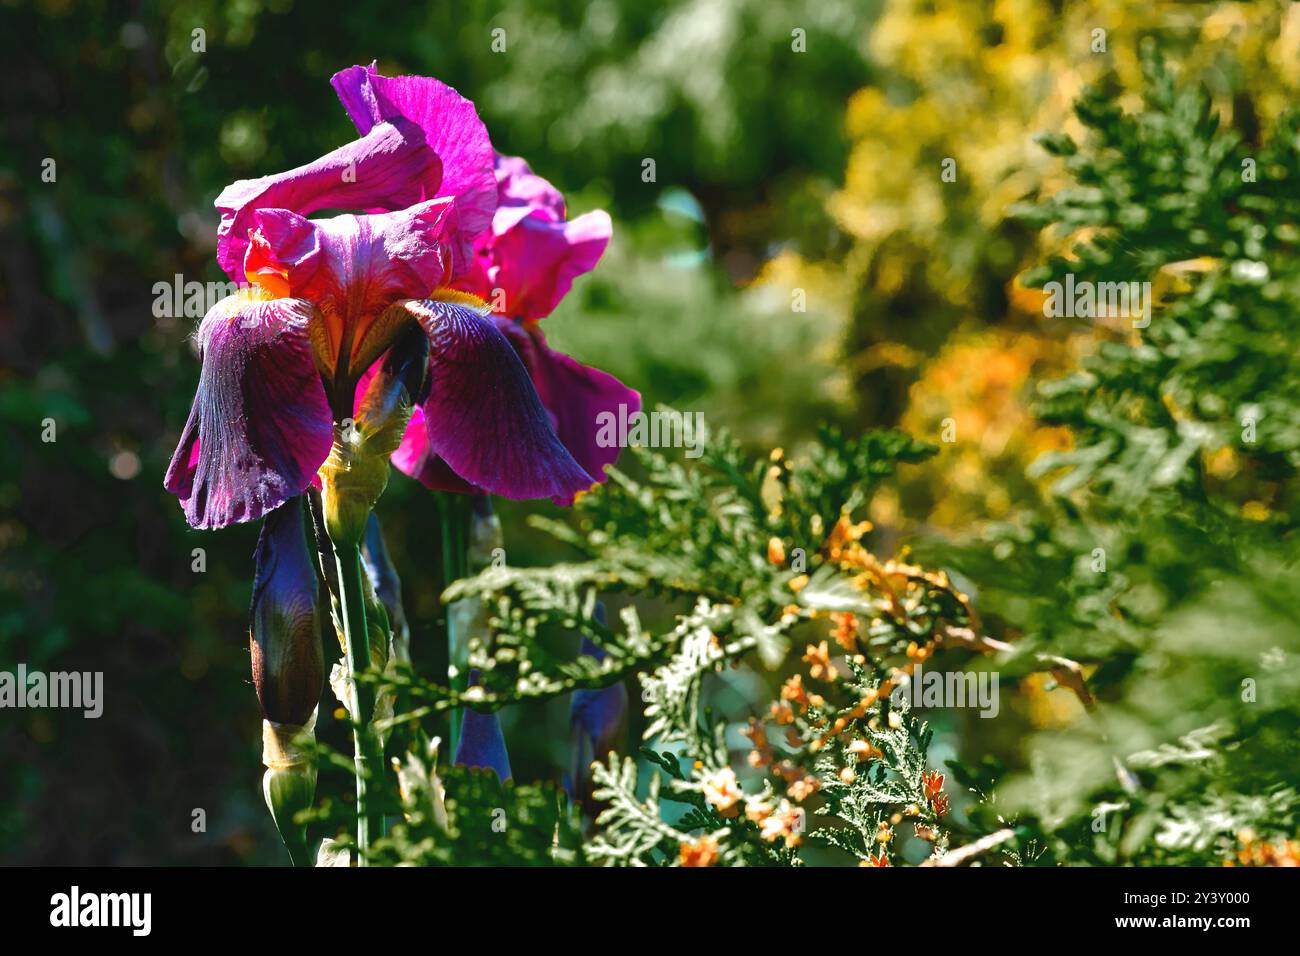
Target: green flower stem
(347, 558)
(455, 514)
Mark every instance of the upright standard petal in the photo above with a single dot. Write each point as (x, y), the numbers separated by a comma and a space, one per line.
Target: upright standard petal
(482, 415)
(389, 167)
(260, 425)
(521, 192)
(451, 127)
(528, 262)
(534, 262)
(575, 395)
(353, 268)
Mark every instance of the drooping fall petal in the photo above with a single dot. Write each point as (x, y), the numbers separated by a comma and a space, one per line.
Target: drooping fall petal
(413, 457)
(260, 425)
(482, 415)
(390, 167)
(451, 127)
(574, 394)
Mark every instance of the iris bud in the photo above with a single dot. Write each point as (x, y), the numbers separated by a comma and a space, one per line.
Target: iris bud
(598, 725)
(286, 619)
(288, 668)
(482, 744)
(387, 586)
(289, 784)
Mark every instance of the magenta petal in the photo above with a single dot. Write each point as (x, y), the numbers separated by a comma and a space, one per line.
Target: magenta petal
(451, 127)
(521, 192)
(354, 267)
(389, 167)
(260, 425)
(535, 262)
(483, 416)
(352, 260)
(414, 458)
(574, 394)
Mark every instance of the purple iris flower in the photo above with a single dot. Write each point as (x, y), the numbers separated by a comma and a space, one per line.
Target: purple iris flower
(523, 265)
(328, 298)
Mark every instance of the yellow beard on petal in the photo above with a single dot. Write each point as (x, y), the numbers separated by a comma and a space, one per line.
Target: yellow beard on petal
(273, 281)
(456, 297)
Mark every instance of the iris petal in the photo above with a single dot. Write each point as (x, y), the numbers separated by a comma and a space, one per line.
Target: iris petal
(451, 127)
(390, 167)
(535, 262)
(574, 394)
(532, 255)
(260, 425)
(482, 415)
(414, 458)
(354, 267)
(520, 190)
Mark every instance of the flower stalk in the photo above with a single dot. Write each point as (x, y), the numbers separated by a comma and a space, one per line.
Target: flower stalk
(454, 513)
(356, 642)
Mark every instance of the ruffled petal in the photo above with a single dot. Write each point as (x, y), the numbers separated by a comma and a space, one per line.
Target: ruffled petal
(390, 167)
(482, 415)
(528, 262)
(260, 425)
(522, 192)
(574, 394)
(534, 262)
(354, 267)
(451, 127)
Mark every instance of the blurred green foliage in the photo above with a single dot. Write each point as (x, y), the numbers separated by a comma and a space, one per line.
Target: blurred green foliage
(1163, 556)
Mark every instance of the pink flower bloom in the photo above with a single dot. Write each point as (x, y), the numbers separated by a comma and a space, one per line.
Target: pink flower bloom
(282, 362)
(523, 266)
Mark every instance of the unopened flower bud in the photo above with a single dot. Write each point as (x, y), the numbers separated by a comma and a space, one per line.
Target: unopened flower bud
(387, 586)
(286, 619)
(482, 744)
(598, 725)
(289, 784)
(288, 668)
